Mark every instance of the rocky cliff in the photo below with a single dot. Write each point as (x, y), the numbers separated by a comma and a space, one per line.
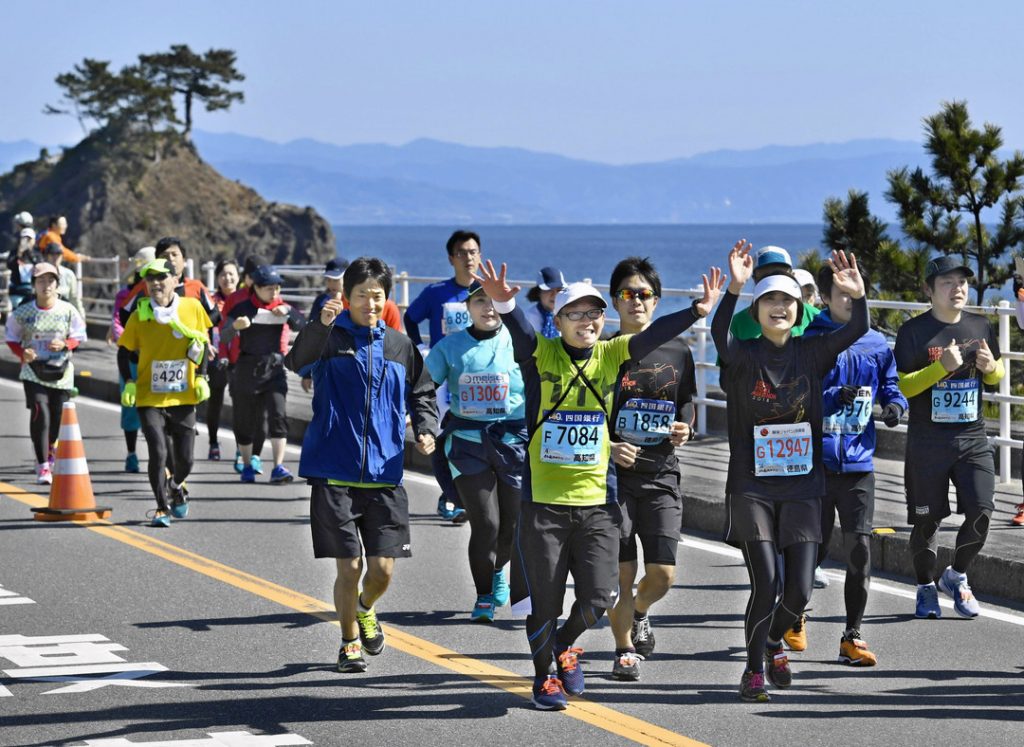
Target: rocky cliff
(120, 194)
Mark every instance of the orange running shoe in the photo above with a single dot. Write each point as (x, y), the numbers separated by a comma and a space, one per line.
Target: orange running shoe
(796, 637)
(1018, 520)
(853, 651)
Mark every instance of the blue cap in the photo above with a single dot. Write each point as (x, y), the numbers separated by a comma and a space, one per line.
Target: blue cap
(550, 278)
(335, 269)
(266, 275)
(773, 255)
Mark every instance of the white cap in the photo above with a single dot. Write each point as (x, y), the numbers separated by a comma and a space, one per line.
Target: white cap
(783, 283)
(773, 255)
(24, 219)
(576, 291)
(27, 233)
(144, 255)
(803, 277)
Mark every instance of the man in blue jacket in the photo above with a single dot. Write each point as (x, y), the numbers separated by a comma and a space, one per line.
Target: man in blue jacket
(366, 377)
(864, 373)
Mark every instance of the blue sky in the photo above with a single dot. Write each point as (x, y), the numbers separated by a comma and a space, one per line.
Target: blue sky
(610, 81)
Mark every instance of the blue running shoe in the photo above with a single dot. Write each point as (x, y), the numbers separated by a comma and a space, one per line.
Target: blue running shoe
(131, 463)
(483, 610)
(548, 694)
(446, 509)
(569, 670)
(499, 589)
(955, 584)
(257, 465)
(281, 475)
(927, 602)
(239, 462)
(248, 474)
(179, 501)
(160, 519)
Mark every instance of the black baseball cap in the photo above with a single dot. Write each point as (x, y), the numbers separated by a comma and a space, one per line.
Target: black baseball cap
(945, 263)
(266, 275)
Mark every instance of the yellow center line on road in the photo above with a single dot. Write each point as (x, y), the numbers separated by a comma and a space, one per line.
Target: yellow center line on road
(602, 717)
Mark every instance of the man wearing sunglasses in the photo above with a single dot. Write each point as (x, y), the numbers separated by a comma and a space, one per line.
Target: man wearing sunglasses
(653, 414)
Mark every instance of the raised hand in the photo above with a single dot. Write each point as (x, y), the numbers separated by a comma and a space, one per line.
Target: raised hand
(741, 265)
(952, 358)
(713, 283)
(845, 275)
(984, 360)
(494, 283)
(331, 310)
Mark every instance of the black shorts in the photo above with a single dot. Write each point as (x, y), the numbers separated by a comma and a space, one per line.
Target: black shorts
(347, 521)
(493, 455)
(43, 395)
(785, 523)
(554, 541)
(930, 466)
(652, 508)
(852, 496)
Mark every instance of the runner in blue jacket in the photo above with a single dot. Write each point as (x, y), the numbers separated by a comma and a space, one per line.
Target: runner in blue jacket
(864, 373)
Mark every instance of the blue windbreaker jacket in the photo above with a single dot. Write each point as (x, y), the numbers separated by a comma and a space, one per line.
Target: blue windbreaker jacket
(867, 363)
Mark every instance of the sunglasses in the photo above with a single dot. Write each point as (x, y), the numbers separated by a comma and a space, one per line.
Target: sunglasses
(575, 316)
(628, 294)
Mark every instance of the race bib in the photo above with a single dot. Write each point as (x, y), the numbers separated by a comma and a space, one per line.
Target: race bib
(645, 422)
(483, 394)
(168, 376)
(955, 401)
(783, 450)
(574, 438)
(854, 417)
(454, 317)
(41, 344)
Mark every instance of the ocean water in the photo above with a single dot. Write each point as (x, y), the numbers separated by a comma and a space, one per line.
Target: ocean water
(680, 252)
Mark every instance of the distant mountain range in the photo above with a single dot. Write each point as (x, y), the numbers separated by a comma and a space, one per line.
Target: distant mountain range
(432, 182)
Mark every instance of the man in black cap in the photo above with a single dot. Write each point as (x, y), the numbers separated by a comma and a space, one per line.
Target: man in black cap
(943, 357)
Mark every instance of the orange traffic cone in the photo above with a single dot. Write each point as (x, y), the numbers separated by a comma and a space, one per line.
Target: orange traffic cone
(71, 497)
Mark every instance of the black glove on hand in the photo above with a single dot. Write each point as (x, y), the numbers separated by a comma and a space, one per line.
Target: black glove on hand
(847, 394)
(891, 414)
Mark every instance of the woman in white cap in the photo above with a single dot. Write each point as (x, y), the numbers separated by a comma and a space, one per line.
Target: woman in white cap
(42, 335)
(541, 315)
(773, 385)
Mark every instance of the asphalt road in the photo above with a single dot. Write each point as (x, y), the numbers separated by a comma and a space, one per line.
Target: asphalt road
(218, 631)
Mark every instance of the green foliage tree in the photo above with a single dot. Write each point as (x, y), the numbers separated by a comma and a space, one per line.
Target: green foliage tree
(87, 93)
(943, 211)
(197, 77)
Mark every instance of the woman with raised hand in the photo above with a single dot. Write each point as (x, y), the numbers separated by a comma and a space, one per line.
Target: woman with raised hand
(776, 478)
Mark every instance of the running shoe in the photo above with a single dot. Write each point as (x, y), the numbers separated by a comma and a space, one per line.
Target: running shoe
(44, 476)
(927, 602)
(796, 637)
(131, 463)
(281, 475)
(214, 453)
(446, 509)
(570, 671)
(239, 462)
(626, 666)
(955, 584)
(257, 464)
(777, 667)
(853, 651)
(499, 589)
(460, 517)
(370, 634)
(248, 474)
(752, 688)
(643, 636)
(1018, 520)
(179, 501)
(548, 694)
(820, 579)
(350, 658)
(51, 455)
(483, 610)
(160, 519)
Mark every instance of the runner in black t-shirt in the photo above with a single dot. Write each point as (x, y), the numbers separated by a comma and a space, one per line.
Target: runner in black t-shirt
(943, 357)
(776, 478)
(653, 413)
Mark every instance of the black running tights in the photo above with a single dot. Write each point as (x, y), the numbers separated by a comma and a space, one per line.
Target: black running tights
(160, 425)
(47, 408)
(924, 541)
(857, 548)
(764, 618)
(543, 636)
(492, 506)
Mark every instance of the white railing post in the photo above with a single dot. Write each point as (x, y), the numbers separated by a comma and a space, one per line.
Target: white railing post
(1004, 389)
(701, 329)
(208, 267)
(403, 282)
(189, 269)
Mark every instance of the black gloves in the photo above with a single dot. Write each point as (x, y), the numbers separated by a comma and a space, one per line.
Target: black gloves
(847, 394)
(891, 414)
